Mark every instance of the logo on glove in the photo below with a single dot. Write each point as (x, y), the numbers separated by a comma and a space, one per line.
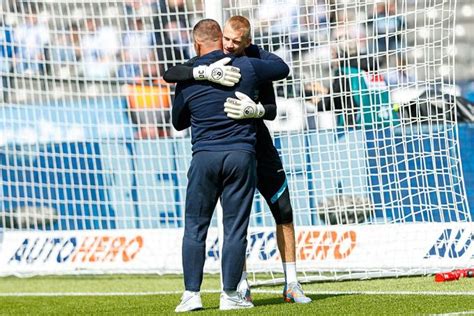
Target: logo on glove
(201, 74)
(249, 111)
(217, 74)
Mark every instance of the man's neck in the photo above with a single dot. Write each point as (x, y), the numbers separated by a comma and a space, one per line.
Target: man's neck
(208, 50)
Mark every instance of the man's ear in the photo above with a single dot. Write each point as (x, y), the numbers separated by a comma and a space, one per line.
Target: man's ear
(197, 47)
(220, 42)
(249, 42)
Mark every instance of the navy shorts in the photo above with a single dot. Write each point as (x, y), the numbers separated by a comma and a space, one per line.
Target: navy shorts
(271, 177)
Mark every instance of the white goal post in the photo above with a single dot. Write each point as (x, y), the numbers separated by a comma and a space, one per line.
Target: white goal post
(93, 176)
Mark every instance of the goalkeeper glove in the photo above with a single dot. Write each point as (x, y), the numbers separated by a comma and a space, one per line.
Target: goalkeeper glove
(218, 72)
(243, 107)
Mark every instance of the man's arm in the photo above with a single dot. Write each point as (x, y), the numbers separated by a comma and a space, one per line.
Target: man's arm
(254, 51)
(266, 94)
(182, 72)
(268, 100)
(216, 72)
(271, 69)
(243, 107)
(180, 113)
(270, 112)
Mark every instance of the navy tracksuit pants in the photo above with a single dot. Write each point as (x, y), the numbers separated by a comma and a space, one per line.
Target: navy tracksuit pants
(230, 175)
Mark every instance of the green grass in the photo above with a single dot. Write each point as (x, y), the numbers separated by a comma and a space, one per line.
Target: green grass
(266, 303)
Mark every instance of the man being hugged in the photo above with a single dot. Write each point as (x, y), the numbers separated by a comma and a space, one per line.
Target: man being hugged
(271, 177)
(223, 165)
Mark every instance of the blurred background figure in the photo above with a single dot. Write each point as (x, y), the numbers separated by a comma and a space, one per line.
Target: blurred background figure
(349, 33)
(172, 25)
(66, 53)
(6, 57)
(179, 37)
(6, 46)
(31, 39)
(137, 52)
(100, 46)
(359, 96)
(275, 21)
(386, 27)
(398, 72)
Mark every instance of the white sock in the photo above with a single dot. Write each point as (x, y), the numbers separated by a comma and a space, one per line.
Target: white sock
(244, 276)
(290, 272)
(189, 293)
(231, 293)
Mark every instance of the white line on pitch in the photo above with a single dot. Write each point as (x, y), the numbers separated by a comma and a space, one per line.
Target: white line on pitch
(98, 293)
(426, 293)
(455, 313)
(423, 293)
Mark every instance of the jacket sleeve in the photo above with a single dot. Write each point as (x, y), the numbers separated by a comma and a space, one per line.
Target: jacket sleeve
(180, 113)
(182, 72)
(268, 100)
(270, 69)
(266, 94)
(254, 51)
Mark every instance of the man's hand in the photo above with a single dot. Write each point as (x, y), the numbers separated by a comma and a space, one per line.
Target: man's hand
(218, 72)
(243, 107)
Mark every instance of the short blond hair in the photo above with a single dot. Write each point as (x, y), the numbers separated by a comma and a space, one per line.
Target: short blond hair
(240, 23)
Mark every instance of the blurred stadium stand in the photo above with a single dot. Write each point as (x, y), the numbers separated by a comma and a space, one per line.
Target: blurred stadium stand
(62, 78)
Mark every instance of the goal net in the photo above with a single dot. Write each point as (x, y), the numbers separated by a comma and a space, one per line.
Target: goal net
(94, 176)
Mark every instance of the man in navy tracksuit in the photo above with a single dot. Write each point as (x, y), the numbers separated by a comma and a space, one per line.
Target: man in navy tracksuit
(271, 177)
(223, 165)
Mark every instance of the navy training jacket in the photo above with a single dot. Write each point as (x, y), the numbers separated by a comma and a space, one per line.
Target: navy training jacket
(203, 102)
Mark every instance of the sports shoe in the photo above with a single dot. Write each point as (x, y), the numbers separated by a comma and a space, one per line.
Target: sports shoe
(293, 293)
(244, 289)
(190, 301)
(233, 302)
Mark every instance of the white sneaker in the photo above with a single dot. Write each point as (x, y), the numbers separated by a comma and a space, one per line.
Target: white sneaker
(233, 302)
(190, 301)
(293, 293)
(244, 289)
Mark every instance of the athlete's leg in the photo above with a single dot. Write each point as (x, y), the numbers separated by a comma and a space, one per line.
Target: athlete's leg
(239, 177)
(273, 185)
(202, 193)
(201, 197)
(286, 242)
(237, 196)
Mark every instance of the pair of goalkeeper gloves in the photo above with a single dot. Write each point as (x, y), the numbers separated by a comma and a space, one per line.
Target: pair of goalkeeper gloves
(242, 107)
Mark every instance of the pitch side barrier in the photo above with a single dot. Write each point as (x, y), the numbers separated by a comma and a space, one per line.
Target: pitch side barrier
(107, 217)
(433, 247)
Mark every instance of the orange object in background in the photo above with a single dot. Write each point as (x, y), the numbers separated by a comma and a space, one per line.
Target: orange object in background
(149, 106)
(141, 96)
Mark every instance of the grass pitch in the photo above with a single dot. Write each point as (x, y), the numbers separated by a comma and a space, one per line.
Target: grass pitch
(158, 295)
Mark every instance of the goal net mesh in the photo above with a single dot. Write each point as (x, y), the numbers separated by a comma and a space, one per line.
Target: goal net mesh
(366, 124)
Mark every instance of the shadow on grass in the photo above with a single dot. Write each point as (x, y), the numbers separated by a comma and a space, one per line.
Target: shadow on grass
(280, 301)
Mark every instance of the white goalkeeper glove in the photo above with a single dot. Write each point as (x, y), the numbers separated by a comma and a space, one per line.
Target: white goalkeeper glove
(243, 107)
(218, 72)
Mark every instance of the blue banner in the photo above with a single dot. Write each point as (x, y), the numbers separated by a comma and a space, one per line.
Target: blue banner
(142, 184)
(80, 159)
